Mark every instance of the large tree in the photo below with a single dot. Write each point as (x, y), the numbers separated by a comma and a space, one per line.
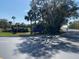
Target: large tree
(53, 13)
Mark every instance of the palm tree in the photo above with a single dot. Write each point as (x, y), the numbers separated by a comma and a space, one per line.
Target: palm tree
(29, 18)
(13, 17)
(10, 24)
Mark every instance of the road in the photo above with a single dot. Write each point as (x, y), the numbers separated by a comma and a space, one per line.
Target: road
(8, 48)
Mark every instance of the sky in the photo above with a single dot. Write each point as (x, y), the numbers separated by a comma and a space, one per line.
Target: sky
(17, 8)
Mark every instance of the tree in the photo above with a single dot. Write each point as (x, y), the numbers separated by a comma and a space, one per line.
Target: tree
(74, 25)
(23, 25)
(29, 17)
(3, 23)
(53, 13)
(10, 24)
(13, 17)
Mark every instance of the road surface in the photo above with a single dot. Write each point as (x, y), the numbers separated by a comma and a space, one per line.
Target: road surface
(8, 48)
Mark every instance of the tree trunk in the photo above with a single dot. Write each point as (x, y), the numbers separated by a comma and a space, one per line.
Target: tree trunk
(31, 28)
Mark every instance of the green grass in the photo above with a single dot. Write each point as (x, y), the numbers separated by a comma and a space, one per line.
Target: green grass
(4, 34)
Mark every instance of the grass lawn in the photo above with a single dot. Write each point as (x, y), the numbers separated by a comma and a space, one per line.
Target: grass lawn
(11, 34)
(6, 34)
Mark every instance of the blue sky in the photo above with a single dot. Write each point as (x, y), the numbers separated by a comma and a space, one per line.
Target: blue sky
(17, 8)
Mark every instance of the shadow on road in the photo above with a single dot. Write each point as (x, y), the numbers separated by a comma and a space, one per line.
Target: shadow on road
(71, 36)
(45, 46)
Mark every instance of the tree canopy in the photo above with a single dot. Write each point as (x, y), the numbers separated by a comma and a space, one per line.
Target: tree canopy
(4, 23)
(52, 13)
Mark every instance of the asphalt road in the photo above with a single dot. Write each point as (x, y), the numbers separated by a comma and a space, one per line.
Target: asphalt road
(8, 48)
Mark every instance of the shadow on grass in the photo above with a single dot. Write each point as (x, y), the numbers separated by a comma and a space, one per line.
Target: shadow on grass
(45, 46)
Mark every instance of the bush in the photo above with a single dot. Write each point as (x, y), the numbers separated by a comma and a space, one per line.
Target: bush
(74, 25)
